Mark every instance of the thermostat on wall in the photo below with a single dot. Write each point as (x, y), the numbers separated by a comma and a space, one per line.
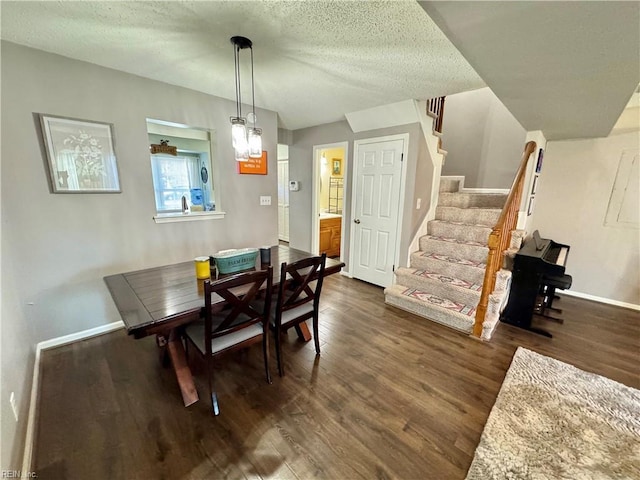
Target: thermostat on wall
(294, 185)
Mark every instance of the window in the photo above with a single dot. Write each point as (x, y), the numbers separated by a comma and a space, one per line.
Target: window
(188, 174)
(175, 177)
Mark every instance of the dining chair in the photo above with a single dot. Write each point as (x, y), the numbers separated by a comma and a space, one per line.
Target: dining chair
(241, 320)
(298, 299)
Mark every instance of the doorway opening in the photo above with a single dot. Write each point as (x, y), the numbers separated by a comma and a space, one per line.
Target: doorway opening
(283, 194)
(329, 172)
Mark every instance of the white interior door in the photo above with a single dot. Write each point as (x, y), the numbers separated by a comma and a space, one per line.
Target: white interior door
(283, 200)
(376, 206)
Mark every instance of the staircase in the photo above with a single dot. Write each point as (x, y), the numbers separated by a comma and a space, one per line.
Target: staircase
(445, 277)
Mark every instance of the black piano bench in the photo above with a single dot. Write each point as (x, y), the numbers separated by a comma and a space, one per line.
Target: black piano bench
(549, 285)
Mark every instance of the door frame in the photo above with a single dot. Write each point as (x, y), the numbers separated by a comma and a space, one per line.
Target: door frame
(403, 180)
(315, 192)
(286, 187)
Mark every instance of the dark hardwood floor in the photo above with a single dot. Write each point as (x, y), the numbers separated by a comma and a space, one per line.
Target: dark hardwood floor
(392, 396)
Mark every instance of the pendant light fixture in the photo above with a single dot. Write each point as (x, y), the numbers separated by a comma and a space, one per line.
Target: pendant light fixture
(247, 142)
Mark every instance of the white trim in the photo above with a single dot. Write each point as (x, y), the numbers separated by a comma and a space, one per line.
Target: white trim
(35, 383)
(608, 301)
(187, 217)
(403, 181)
(315, 192)
(83, 335)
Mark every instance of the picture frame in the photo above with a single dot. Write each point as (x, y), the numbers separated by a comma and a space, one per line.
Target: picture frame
(534, 185)
(530, 207)
(336, 166)
(80, 155)
(539, 162)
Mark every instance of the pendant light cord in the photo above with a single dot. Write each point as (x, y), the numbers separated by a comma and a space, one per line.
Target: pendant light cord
(236, 58)
(253, 93)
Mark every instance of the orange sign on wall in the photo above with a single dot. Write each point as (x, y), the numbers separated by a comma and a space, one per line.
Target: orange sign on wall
(256, 166)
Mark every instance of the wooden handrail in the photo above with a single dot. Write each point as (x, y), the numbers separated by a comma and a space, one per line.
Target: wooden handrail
(500, 238)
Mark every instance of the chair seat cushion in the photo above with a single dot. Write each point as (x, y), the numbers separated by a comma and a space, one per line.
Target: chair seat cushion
(306, 309)
(195, 331)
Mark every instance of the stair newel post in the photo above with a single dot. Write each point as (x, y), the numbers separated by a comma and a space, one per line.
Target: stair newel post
(489, 280)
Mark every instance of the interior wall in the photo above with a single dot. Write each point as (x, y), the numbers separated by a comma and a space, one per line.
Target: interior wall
(573, 193)
(301, 168)
(62, 245)
(483, 140)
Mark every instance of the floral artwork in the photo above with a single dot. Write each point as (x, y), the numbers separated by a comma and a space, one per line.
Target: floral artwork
(80, 155)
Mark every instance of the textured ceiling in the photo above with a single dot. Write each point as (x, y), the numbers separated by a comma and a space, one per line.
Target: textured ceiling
(566, 68)
(314, 60)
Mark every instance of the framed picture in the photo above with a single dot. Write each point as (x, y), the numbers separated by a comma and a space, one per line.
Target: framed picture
(80, 155)
(534, 186)
(254, 166)
(336, 166)
(539, 163)
(530, 208)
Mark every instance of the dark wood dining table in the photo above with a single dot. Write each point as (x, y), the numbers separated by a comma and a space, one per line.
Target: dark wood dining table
(159, 301)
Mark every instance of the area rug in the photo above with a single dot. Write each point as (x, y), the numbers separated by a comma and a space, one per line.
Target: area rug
(554, 421)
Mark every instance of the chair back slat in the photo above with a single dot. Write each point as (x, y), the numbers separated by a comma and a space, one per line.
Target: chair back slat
(238, 292)
(295, 282)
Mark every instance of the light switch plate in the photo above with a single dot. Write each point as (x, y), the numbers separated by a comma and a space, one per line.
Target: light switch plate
(265, 199)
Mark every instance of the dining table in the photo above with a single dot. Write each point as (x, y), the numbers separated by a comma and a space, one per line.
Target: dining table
(161, 300)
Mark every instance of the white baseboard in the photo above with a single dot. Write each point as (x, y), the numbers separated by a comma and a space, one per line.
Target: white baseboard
(608, 301)
(35, 384)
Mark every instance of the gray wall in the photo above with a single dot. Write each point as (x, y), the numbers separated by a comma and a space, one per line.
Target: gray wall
(483, 140)
(56, 248)
(572, 196)
(419, 177)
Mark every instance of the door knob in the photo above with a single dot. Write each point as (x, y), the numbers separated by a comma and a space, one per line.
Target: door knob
(356, 221)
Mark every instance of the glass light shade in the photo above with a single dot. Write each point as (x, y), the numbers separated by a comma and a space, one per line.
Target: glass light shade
(242, 155)
(238, 132)
(255, 142)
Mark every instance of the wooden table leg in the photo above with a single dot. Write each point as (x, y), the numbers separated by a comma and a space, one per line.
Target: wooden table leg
(163, 355)
(183, 372)
(303, 332)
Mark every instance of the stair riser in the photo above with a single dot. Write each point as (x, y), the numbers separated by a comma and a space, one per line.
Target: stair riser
(439, 288)
(470, 252)
(450, 186)
(468, 273)
(467, 233)
(434, 314)
(478, 216)
(469, 200)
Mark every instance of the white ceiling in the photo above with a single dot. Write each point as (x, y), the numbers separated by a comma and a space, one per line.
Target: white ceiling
(567, 68)
(314, 60)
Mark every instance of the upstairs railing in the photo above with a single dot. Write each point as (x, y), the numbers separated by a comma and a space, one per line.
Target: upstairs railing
(500, 238)
(435, 108)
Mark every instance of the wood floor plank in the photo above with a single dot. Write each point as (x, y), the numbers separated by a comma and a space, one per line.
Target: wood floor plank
(391, 396)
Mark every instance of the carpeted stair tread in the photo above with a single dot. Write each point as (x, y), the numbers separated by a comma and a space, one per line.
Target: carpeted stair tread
(466, 200)
(455, 289)
(465, 232)
(473, 215)
(473, 251)
(456, 240)
(467, 270)
(452, 314)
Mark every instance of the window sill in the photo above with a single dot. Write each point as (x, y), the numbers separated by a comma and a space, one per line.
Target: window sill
(187, 217)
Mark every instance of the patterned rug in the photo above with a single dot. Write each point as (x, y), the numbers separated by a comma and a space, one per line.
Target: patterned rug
(554, 421)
